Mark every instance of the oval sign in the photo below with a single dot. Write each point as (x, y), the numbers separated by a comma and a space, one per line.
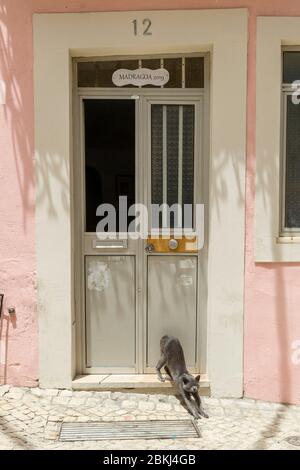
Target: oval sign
(140, 77)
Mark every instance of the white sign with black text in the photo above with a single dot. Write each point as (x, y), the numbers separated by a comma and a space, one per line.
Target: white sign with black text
(140, 77)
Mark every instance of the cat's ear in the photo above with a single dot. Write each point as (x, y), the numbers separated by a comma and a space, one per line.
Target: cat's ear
(197, 378)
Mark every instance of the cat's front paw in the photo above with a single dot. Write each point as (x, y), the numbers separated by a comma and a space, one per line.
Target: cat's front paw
(161, 379)
(202, 413)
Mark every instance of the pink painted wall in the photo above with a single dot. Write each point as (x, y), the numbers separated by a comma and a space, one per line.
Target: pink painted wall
(272, 293)
(18, 346)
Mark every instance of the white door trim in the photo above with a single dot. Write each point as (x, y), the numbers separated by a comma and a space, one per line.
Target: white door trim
(58, 37)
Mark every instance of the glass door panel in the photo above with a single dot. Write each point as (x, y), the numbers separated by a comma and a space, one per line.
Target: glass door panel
(109, 155)
(172, 158)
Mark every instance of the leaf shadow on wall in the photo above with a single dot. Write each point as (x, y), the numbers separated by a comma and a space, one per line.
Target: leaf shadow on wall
(33, 175)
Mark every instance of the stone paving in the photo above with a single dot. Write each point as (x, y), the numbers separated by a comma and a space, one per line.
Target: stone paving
(31, 419)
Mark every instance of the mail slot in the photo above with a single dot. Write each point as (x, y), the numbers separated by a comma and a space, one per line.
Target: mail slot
(110, 244)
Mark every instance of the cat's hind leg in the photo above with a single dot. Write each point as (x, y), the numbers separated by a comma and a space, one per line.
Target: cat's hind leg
(162, 361)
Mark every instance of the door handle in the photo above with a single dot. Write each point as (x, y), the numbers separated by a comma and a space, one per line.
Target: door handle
(149, 248)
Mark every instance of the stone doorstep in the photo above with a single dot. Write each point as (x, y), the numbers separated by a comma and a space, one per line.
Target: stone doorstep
(128, 381)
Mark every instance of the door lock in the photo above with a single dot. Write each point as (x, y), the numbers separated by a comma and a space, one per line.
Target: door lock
(149, 248)
(173, 244)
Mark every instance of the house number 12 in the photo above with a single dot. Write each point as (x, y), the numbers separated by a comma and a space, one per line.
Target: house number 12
(146, 27)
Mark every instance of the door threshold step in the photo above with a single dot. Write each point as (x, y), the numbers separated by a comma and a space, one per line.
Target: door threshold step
(126, 381)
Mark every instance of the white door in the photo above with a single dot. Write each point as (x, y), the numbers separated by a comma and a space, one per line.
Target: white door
(146, 147)
(174, 154)
(110, 266)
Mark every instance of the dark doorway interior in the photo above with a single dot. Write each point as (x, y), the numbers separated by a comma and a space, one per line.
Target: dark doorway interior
(109, 155)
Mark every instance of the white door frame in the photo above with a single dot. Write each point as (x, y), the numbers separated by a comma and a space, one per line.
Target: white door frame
(57, 38)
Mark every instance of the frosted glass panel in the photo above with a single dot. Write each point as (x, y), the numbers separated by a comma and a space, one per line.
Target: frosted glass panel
(157, 153)
(98, 73)
(292, 190)
(174, 67)
(110, 311)
(194, 72)
(172, 153)
(172, 156)
(188, 155)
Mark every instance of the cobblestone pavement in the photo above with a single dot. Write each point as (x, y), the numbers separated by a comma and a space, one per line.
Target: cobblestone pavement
(31, 419)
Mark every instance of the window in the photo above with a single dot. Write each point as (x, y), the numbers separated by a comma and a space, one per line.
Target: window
(109, 155)
(172, 160)
(290, 142)
(185, 72)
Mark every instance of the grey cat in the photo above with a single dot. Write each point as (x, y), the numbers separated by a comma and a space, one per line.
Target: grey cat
(172, 358)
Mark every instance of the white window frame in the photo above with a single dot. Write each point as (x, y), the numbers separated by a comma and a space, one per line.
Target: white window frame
(286, 90)
(272, 242)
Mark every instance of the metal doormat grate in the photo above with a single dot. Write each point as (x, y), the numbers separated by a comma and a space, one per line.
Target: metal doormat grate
(293, 440)
(118, 430)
